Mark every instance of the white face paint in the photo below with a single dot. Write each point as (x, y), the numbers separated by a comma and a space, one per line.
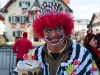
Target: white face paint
(55, 41)
(54, 36)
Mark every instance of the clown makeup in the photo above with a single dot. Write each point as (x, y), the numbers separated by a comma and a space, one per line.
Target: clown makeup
(54, 35)
(49, 30)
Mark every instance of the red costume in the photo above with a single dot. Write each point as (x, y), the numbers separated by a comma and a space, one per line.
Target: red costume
(23, 45)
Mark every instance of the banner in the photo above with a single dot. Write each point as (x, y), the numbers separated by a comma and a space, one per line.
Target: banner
(22, 26)
(13, 26)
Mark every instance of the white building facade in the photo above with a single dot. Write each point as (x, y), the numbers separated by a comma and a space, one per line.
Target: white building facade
(95, 23)
(18, 19)
(80, 29)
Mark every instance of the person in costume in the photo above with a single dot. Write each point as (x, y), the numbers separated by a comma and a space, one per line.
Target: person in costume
(90, 42)
(98, 38)
(21, 46)
(59, 55)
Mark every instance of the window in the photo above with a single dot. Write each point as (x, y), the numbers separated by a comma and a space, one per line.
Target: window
(18, 19)
(13, 33)
(12, 19)
(22, 19)
(24, 4)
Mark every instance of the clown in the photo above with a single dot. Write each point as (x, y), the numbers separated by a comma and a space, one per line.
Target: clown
(59, 55)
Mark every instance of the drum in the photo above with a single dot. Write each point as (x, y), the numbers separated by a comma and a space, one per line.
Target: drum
(29, 67)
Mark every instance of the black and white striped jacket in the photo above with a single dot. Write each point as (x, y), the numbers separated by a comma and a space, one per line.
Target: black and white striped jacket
(79, 62)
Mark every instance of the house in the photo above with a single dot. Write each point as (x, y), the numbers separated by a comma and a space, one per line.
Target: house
(19, 15)
(95, 23)
(80, 29)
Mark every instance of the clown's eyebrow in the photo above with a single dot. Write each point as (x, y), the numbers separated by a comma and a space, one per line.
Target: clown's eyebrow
(46, 29)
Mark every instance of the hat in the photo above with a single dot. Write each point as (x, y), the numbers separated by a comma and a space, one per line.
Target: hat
(52, 16)
(48, 6)
(24, 34)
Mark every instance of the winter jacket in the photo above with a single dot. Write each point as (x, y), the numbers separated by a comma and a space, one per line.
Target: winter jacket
(78, 62)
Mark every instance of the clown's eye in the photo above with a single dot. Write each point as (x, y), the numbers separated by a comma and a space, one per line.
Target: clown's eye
(48, 30)
(59, 29)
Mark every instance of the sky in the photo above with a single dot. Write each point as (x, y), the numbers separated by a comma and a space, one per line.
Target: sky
(84, 9)
(3, 2)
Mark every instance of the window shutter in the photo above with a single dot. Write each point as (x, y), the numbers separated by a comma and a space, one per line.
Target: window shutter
(18, 19)
(20, 4)
(15, 19)
(28, 4)
(13, 33)
(9, 19)
(27, 19)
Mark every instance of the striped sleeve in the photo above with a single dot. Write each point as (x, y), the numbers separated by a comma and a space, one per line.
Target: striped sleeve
(87, 66)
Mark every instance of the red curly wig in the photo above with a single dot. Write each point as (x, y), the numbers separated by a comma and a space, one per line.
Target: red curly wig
(51, 20)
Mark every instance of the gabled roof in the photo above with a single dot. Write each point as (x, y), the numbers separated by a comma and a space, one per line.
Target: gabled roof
(66, 5)
(97, 15)
(4, 9)
(35, 6)
(36, 3)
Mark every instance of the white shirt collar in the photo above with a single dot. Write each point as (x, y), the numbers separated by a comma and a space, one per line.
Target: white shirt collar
(60, 50)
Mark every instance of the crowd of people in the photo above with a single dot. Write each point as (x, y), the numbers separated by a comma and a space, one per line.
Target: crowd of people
(60, 55)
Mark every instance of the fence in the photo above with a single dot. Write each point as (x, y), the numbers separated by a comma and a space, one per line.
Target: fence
(7, 61)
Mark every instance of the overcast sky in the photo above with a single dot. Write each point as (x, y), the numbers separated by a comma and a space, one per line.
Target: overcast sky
(3, 2)
(84, 9)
